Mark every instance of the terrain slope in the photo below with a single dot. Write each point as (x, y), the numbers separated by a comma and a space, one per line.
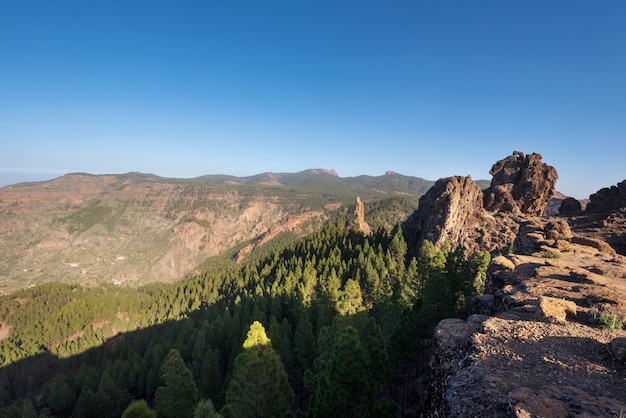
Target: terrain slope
(546, 339)
(137, 228)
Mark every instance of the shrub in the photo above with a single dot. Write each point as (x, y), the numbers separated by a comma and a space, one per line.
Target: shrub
(606, 320)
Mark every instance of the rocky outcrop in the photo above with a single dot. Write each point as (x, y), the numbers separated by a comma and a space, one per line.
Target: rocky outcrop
(542, 351)
(604, 217)
(520, 184)
(570, 207)
(450, 211)
(534, 345)
(607, 199)
(456, 210)
(359, 217)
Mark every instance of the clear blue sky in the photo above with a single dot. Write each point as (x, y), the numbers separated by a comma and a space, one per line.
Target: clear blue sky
(423, 88)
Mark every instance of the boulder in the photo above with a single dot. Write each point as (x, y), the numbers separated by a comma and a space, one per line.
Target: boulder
(570, 207)
(520, 184)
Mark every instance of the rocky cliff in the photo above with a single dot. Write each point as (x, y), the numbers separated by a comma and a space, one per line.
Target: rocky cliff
(546, 338)
(456, 210)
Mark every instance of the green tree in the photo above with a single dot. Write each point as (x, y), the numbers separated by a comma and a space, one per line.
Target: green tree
(205, 409)
(111, 400)
(87, 405)
(350, 299)
(259, 387)
(211, 381)
(178, 395)
(343, 384)
(139, 409)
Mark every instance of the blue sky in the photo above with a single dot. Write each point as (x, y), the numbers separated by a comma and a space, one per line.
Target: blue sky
(423, 88)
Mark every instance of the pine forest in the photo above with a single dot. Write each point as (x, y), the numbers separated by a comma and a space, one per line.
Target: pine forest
(337, 323)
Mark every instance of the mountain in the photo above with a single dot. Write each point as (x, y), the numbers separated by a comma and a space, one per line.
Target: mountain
(356, 323)
(136, 228)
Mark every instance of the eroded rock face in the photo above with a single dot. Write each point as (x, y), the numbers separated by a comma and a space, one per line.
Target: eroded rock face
(520, 184)
(359, 217)
(456, 210)
(607, 199)
(451, 210)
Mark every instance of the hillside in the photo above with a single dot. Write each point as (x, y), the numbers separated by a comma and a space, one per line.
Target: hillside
(136, 228)
(526, 320)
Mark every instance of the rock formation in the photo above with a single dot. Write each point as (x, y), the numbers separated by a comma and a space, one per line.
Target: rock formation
(607, 199)
(533, 349)
(456, 210)
(604, 217)
(534, 345)
(451, 210)
(359, 217)
(520, 184)
(570, 207)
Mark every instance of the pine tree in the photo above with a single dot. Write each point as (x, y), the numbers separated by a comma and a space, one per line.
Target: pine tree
(259, 387)
(211, 381)
(205, 409)
(139, 409)
(343, 384)
(303, 351)
(178, 395)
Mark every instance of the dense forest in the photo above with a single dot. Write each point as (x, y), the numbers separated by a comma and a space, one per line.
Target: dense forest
(333, 324)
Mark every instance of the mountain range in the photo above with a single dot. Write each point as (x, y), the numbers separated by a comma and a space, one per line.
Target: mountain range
(135, 228)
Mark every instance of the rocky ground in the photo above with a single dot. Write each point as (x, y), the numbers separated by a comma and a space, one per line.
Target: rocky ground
(541, 345)
(546, 339)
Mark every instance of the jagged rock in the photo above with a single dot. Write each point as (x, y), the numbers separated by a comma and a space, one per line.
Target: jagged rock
(607, 199)
(570, 207)
(454, 208)
(520, 184)
(359, 217)
(450, 211)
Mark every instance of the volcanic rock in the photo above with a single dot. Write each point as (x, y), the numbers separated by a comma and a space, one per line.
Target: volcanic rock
(359, 217)
(540, 354)
(520, 184)
(450, 211)
(607, 199)
(570, 207)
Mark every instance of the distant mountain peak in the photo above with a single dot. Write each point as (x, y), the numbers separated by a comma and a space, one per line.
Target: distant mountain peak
(316, 170)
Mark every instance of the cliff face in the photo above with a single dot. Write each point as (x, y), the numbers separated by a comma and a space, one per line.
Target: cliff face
(546, 339)
(451, 210)
(456, 210)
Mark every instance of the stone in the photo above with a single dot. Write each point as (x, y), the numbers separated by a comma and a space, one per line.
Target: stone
(359, 217)
(570, 207)
(520, 184)
(558, 230)
(607, 199)
(599, 245)
(450, 211)
(554, 310)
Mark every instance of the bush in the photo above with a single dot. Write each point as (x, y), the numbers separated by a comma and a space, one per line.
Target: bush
(606, 320)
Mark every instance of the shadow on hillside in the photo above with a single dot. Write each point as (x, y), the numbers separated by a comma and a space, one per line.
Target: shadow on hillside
(133, 359)
(553, 376)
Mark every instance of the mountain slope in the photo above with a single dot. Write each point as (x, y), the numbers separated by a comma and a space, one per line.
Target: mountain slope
(136, 228)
